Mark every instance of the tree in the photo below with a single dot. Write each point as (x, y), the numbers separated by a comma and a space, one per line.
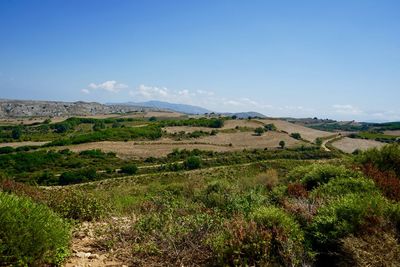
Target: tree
(282, 144)
(16, 133)
(270, 127)
(259, 131)
(129, 169)
(318, 141)
(192, 162)
(152, 118)
(98, 125)
(296, 136)
(62, 127)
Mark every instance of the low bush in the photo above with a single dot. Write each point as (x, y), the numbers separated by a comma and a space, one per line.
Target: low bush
(350, 214)
(78, 176)
(386, 181)
(77, 205)
(6, 150)
(385, 159)
(270, 236)
(295, 136)
(344, 185)
(31, 234)
(317, 174)
(192, 162)
(129, 169)
(243, 243)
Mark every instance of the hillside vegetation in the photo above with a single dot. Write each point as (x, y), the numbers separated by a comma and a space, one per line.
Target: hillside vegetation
(291, 204)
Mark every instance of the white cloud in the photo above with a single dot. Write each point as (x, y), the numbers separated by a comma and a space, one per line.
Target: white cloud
(212, 101)
(109, 86)
(150, 92)
(347, 109)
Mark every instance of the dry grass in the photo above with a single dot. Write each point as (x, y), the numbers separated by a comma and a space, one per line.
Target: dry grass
(394, 132)
(221, 142)
(379, 249)
(348, 145)
(231, 124)
(305, 132)
(187, 129)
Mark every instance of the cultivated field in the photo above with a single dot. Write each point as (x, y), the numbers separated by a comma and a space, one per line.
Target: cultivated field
(394, 132)
(305, 132)
(348, 145)
(221, 142)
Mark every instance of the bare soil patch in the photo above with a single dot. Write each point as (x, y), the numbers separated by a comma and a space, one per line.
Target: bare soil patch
(26, 143)
(348, 145)
(88, 244)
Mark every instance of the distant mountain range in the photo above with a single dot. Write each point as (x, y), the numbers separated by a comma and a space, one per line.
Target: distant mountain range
(32, 108)
(181, 108)
(188, 109)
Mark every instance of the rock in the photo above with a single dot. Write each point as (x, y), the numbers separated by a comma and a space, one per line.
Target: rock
(83, 254)
(93, 256)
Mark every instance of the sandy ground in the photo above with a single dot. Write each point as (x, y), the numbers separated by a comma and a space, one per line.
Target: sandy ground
(306, 133)
(394, 132)
(85, 249)
(348, 145)
(27, 143)
(220, 142)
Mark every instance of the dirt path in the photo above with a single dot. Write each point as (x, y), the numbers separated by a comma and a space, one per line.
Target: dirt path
(323, 145)
(86, 246)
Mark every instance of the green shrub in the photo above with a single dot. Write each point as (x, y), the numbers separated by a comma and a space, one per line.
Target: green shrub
(79, 176)
(242, 243)
(6, 150)
(16, 132)
(317, 174)
(269, 237)
(129, 169)
(31, 234)
(77, 205)
(295, 136)
(344, 185)
(270, 127)
(275, 218)
(386, 158)
(347, 215)
(192, 162)
(259, 131)
(217, 194)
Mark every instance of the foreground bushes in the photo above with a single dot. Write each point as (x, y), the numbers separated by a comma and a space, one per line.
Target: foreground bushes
(31, 234)
(352, 215)
(317, 174)
(269, 237)
(77, 205)
(385, 159)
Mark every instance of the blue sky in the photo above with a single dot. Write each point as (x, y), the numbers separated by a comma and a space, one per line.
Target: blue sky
(336, 59)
